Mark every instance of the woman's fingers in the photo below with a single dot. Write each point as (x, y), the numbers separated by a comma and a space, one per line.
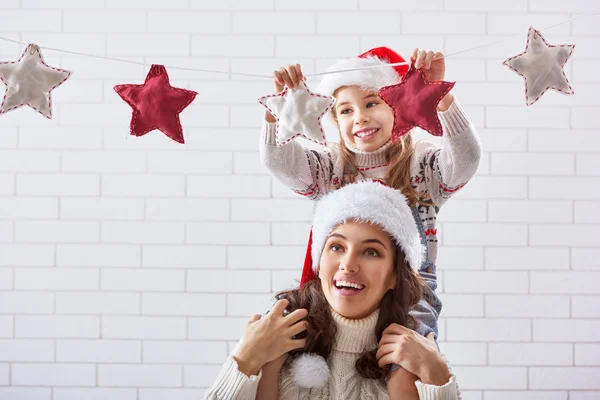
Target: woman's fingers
(384, 350)
(396, 329)
(385, 360)
(254, 318)
(296, 344)
(297, 328)
(295, 316)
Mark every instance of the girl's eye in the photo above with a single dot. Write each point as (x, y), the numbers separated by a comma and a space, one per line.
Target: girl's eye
(372, 253)
(372, 104)
(345, 111)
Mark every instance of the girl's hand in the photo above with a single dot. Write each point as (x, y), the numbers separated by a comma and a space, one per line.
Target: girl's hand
(415, 353)
(433, 67)
(290, 76)
(270, 337)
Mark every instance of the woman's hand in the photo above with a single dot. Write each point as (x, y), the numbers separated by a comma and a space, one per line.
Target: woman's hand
(433, 66)
(270, 337)
(415, 353)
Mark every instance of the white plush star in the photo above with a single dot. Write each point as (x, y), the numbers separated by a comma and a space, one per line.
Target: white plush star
(542, 66)
(29, 81)
(298, 113)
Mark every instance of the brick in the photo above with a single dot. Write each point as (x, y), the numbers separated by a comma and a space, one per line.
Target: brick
(532, 164)
(245, 305)
(27, 255)
(188, 256)
(190, 162)
(189, 22)
(462, 305)
(57, 326)
(56, 279)
(485, 282)
(183, 304)
(29, 161)
(492, 377)
(18, 350)
(240, 45)
(565, 330)
(187, 210)
(572, 188)
(263, 257)
(585, 259)
(56, 232)
(439, 23)
(6, 278)
(184, 352)
(121, 327)
(494, 187)
(530, 354)
(99, 351)
(571, 378)
(565, 282)
(33, 374)
(575, 235)
(353, 23)
(529, 258)
(143, 185)
(290, 233)
(464, 211)
(585, 306)
(94, 394)
(485, 330)
(465, 353)
(6, 327)
(148, 44)
(530, 211)
(217, 328)
(460, 258)
(31, 20)
(26, 303)
(472, 234)
(228, 186)
(274, 23)
(142, 280)
(542, 117)
(104, 161)
(21, 393)
(142, 232)
(102, 208)
(58, 185)
(215, 233)
(271, 210)
(97, 303)
(307, 46)
(98, 255)
(226, 281)
(140, 375)
(527, 306)
(247, 163)
(200, 375)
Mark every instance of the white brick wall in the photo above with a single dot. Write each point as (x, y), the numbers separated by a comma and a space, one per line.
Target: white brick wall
(129, 266)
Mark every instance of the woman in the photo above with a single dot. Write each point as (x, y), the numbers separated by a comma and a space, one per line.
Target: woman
(365, 253)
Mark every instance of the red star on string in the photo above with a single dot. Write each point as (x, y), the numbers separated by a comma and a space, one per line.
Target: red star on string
(156, 104)
(415, 101)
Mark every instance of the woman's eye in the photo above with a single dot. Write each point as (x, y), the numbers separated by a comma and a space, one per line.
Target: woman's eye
(372, 253)
(335, 247)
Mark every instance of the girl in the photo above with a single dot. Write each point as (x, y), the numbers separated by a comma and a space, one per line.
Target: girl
(354, 313)
(427, 175)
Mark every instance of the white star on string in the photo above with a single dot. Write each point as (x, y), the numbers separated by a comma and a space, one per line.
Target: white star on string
(298, 113)
(542, 66)
(29, 81)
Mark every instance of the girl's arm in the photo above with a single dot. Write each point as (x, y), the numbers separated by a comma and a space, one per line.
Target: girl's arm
(306, 172)
(447, 169)
(268, 386)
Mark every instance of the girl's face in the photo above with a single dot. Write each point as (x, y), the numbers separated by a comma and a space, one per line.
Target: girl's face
(357, 268)
(365, 121)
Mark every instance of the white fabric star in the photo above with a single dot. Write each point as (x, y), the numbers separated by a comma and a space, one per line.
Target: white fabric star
(298, 113)
(29, 81)
(542, 66)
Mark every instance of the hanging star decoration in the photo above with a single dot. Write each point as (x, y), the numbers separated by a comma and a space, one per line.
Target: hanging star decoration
(30, 81)
(298, 112)
(542, 65)
(156, 104)
(415, 101)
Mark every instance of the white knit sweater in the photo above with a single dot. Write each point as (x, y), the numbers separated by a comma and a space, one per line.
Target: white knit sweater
(352, 338)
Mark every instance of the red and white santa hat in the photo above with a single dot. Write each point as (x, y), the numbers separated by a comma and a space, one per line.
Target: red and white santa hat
(371, 202)
(378, 72)
(368, 201)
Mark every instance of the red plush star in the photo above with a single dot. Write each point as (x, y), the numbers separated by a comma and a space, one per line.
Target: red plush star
(156, 104)
(415, 101)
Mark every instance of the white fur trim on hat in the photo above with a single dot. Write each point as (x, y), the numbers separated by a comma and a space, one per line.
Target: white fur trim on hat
(368, 202)
(372, 78)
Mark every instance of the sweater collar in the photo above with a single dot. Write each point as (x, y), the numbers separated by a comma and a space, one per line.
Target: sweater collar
(371, 159)
(355, 335)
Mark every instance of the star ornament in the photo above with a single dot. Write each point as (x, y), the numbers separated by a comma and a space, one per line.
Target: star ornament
(156, 104)
(30, 81)
(415, 102)
(542, 66)
(298, 112)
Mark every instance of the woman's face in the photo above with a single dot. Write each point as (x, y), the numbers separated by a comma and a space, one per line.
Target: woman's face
(357, 268)
(365, 121)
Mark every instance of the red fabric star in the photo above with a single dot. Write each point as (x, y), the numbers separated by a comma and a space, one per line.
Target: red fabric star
(156, 104)
(415, 101)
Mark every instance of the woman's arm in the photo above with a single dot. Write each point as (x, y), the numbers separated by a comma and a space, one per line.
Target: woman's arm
(401, 385)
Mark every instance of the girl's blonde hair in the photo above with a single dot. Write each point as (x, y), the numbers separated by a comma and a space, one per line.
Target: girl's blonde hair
(398, 156)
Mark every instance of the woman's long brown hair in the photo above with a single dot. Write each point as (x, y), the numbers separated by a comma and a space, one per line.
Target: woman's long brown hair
(321, 330)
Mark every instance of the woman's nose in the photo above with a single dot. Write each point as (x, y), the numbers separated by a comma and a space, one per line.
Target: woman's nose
(348, 264)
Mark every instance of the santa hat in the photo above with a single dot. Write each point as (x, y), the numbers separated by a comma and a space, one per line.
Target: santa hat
(377, 75)
(367, 201)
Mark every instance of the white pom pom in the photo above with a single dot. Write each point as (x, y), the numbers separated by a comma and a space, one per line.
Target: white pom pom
(309, 370)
